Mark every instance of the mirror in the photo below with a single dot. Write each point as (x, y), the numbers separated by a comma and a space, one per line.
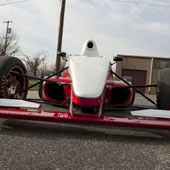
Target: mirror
(118, 58)
(62, 54)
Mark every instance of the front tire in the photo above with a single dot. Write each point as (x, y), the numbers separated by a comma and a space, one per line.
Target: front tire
(12, 83)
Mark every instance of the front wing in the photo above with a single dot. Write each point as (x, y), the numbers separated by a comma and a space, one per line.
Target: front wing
(66, 117)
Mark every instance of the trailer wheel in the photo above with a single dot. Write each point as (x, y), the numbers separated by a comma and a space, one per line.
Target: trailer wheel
(12, 83)
(163, 89)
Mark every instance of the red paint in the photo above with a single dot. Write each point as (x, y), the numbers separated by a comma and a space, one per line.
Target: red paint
(67, 90)
(85, 118)
(66, 74)
(86, 102)
(108, 93)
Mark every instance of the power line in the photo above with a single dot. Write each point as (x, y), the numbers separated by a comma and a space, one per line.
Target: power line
(15, 2)
(140, 3)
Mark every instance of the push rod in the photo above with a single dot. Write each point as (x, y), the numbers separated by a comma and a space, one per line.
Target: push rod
(44, 79)
(133, 88)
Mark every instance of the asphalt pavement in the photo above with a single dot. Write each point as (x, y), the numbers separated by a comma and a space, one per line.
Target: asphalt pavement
(31, 145)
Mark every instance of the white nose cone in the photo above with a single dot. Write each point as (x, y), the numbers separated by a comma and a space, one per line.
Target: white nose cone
(89, 49)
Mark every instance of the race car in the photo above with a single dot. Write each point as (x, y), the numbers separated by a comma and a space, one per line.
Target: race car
(87, 82)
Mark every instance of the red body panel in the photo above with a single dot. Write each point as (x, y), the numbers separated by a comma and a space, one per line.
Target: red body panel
(87, 102)
(108, 93)
(84, 118)
(66, 90)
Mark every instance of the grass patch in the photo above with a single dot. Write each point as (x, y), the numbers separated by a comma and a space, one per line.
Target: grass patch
(35, 88)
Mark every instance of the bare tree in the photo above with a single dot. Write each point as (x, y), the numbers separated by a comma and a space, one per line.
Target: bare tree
(52, 67)
(33, 63)
(9, 46)
(45, 69)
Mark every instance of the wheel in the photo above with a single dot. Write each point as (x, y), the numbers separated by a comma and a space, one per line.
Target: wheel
(12, 83)
(163, 89)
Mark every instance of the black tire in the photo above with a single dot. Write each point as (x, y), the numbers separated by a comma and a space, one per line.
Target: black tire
(11, 83)
(163, 89)
(40, 90)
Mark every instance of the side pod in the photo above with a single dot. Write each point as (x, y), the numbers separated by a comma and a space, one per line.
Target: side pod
(58, 92)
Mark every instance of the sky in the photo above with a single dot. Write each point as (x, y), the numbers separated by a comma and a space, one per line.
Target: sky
(117, 26)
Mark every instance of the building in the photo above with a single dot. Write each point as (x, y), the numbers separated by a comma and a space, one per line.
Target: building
(144, 70)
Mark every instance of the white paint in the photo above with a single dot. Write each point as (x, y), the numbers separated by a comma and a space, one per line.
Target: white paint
(152, 113)
(18, 103)
(89, 73)
(89, 52)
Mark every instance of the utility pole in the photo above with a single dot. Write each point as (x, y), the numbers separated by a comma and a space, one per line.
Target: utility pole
(8, 31)
(60, 34)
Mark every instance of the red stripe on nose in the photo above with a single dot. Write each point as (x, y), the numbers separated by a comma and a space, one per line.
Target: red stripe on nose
(86, 102)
